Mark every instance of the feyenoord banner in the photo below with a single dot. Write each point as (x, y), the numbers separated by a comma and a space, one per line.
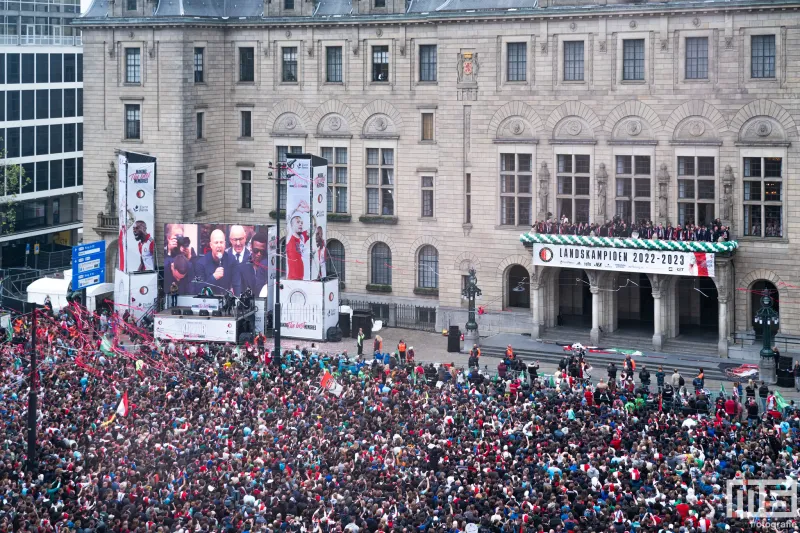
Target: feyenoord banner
(136, 212)
(319, 219)
(700, 264)
(272, 271)
(298, 218)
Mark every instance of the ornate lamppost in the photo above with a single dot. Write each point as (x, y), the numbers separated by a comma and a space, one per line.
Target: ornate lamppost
(470, 292)
(767, 317)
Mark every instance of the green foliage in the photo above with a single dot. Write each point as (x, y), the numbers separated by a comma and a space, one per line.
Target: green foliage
(10, 188)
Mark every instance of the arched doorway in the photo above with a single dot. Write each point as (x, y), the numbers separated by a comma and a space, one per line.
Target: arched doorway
(635, 302)
(575, 298)
(518, 287)
(756, 292)
(698, 309)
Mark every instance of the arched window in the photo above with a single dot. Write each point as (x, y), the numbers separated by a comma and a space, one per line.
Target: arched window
(381, 258)
(336, 258)
(519, 287)
(428, 268)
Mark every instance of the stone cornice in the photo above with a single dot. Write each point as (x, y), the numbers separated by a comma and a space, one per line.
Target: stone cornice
(505, 16)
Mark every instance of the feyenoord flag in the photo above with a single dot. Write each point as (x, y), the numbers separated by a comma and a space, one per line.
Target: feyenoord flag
(331, 385)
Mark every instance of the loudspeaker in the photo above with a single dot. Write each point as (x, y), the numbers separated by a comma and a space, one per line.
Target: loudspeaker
(786, 381)
(216, 312)
(176, 311)
(785, 362)
(204, 312)
(454, 340)
(188, 312)
(334, 334)
(363, 320)
(344, 324)
(245, 337)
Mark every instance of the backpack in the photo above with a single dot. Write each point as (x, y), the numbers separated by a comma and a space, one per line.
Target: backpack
(681, 381)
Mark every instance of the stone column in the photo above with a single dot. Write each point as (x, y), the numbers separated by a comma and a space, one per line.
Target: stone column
(594, 335)
(722, 345)
(658, 335)
(536, 329)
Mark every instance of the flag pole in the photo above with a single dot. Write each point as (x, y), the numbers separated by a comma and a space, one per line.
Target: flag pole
(32, 400)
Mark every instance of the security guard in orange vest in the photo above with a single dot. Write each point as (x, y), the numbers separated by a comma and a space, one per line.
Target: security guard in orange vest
(401, 350)
(509, 352)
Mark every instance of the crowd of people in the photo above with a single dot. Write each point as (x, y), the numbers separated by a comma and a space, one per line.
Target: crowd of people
(644, 229)
(185, 438)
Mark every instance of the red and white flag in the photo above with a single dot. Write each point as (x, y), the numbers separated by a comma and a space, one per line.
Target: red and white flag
(122, 408)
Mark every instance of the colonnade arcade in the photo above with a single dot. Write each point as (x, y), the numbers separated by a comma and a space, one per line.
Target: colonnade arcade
(606, 301)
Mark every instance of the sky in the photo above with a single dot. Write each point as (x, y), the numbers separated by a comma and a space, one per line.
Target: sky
(85, 5)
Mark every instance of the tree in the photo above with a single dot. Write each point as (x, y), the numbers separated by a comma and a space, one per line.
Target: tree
(10, 187)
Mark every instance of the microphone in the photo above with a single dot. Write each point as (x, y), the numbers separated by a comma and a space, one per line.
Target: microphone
(218, 258)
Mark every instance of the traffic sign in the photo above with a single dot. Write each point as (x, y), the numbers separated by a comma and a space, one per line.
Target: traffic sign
(36, 249)
(88, 264)
(27, 248)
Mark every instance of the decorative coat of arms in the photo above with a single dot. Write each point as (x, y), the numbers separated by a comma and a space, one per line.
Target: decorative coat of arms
(468, 67)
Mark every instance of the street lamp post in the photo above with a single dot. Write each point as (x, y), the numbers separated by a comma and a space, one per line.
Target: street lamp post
(767, 317)
(276, 313)
(470, 292)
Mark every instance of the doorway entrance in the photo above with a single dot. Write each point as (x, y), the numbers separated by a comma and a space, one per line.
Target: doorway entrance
(698, 309)
(574, 299)
(519, 287)
(635, 302)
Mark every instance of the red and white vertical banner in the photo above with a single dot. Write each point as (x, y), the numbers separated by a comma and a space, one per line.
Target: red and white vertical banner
(122, 211)
(272, 270)
(319, 218)
(298, 218)
(136, 207)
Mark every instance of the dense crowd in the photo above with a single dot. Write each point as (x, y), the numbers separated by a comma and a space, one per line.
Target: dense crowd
(644, 229)
(224, 438)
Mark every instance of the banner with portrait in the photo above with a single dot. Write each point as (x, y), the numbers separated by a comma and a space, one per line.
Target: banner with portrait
(298, 218)
(225, 258)
(136, 208)
(319, 219)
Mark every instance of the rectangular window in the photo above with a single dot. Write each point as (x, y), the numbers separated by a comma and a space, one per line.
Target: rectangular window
(573, 61)
(12, 68)
(79, 77)
(337, 178)
(70, 138)
(199, 64)
(69, 173)
(572, 196)
(380, 181)
(201, 183)
(696, 191)
(133, 65)
(28, 110)
(199, 123)
(42, 104)
(80, 102)
(69, 68)
(633, 59)
(516, 193)
(427, 126)
(42, 68)
(12, 105)
(247, 68)
(56, 75)
(42, 177)
(12, 142)
(281, 154)
(288, 4)
(130, 5)
(246, 121)
(763, 198)
(246, 181)
(42, 139)
(427, 196)
(696, 58)
(762, 56)
(79, 137)
(27, 68)
(133, 121)
(333, 64)
(468, 199)
(380, 63)
(56, 174)
(28, 141)
(517, 68)
(289, 64)
(69, 102)
(380, 3)
(56, 103)
(56, 139)
(427, 62)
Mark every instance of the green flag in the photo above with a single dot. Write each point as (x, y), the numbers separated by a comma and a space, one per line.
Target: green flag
(106, 347)
(722, 389)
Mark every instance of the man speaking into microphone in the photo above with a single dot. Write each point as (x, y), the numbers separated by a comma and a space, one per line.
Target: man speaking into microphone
(219, 268)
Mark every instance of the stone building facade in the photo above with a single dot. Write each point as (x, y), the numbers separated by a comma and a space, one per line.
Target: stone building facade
(451, 128)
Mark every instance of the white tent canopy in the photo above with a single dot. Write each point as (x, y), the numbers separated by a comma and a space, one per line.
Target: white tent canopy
(56, 289)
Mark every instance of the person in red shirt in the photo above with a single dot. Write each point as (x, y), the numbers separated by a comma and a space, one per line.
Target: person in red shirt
(296, 256)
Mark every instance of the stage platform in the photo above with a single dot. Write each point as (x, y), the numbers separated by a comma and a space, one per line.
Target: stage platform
(194, 327)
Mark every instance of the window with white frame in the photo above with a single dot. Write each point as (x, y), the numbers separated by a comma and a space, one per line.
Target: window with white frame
(199, 64)
(427, 126)
(380, 264)
(289, 64)
(337, 178)
(380, 63)
(133, 121)
(572, 186)
(336, 256)
(468, 199)
(380, 181)
(247, 64)
(633, 59)
(633, 188)
(246, 187)
(281, 154)
(696, 58)
(517, 62)
(426, 188)
(246, 124)
(133, 65)
(428, 268)
(696, 190)
(427, 62)
(516, 189)
(201, 190)
(762, 56)
(763, 194)
(573, 60)
(333, 64)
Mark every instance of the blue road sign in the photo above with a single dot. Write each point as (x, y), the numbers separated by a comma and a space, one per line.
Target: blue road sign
(88, 264)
